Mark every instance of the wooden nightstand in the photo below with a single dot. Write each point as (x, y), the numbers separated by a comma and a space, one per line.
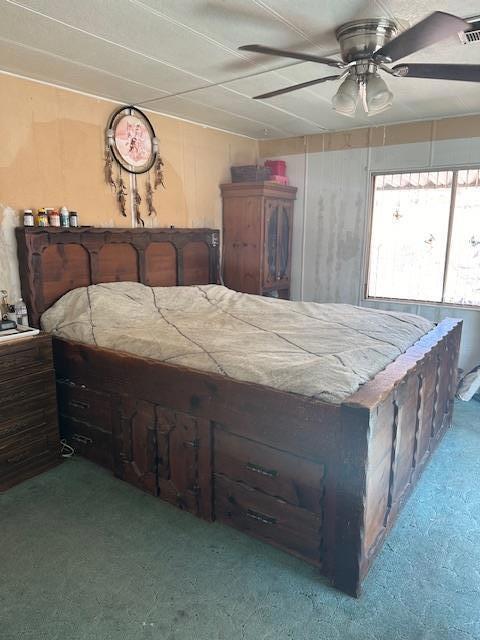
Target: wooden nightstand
(29, 438)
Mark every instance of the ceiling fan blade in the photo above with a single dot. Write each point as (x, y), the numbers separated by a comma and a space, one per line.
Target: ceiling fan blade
(294, 87)
(465, 72)
(436, 27)
(308, 57)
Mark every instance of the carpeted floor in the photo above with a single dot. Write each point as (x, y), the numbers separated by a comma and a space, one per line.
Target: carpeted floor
(84, 556)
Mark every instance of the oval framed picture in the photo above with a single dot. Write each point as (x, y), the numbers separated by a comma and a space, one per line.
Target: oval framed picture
(132, 140)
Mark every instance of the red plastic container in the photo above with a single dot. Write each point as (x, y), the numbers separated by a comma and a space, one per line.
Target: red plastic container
(278, 167)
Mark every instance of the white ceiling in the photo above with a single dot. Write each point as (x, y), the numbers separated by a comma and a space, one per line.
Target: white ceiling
(143, 51)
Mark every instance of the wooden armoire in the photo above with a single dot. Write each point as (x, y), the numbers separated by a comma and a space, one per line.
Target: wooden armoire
(257, 237)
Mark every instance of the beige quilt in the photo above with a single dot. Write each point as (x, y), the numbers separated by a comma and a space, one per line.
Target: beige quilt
(324, 351)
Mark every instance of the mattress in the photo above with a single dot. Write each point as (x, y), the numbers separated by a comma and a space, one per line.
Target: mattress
(324, 351)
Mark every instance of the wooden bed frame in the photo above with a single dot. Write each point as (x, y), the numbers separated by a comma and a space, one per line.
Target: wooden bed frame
(323, 482)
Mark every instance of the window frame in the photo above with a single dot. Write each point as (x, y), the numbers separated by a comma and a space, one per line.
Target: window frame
(369, 226)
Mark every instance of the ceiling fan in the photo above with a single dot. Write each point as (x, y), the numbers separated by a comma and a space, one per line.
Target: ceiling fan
(367, 47)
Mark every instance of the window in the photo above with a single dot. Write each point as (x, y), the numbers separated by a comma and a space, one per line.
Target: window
(425, 238)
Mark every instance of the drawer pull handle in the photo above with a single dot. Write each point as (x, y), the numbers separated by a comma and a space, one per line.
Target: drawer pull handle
(82, 439)
(260, 517)
(77, 404)
(256, 468)
(12, 429)
(192, 444)
(18, 458)
(67, 382)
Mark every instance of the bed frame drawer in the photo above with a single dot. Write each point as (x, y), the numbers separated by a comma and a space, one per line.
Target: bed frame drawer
(88, 440)
(274, 521)
(82, 403)
(283, 475)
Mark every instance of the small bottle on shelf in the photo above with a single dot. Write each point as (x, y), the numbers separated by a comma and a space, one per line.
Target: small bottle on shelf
(28, 219)
(73, 219)
(64, 217)
(42, 218)
(53, 218)
(21, 312)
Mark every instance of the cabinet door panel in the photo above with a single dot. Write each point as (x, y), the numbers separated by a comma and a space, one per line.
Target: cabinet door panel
(177, 441)
(270, 257)
(135, 440)
(277, 243)
(284, 235)
(164, 452)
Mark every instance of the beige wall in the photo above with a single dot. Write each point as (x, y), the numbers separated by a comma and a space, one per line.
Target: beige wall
(52, 153)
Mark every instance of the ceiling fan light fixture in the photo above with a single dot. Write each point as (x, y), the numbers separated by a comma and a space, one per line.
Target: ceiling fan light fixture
(378, 96)
(346, 99)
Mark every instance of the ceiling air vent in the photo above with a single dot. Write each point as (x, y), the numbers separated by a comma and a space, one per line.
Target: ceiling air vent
(471, 36)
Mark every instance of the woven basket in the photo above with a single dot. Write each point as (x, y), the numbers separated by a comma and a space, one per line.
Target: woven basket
(250, 173)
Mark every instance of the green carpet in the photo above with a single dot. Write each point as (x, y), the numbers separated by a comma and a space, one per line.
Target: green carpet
(84, 556)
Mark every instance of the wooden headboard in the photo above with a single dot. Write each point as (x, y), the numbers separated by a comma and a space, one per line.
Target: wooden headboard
(54, 261)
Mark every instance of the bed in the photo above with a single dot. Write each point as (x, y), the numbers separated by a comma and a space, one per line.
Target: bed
(323, 480)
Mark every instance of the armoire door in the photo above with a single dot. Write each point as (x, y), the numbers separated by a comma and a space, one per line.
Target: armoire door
(284, 242)
(277, 243)
(270, 248)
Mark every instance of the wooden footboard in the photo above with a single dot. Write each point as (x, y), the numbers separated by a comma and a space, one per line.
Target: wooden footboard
(389, 429)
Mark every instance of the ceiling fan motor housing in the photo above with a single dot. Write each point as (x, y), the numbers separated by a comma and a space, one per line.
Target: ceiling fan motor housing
(361, 38)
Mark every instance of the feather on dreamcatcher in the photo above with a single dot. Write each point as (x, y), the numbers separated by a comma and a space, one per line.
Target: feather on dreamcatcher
(131, 142)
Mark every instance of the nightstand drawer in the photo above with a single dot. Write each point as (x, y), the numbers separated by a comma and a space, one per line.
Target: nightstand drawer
(41, 420)
(28, 447)
(295, 530)
(283, 475)
(81, 403)
(19, 396)
(25, 357)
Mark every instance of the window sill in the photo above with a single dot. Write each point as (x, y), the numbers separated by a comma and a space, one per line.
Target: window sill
(424, 303)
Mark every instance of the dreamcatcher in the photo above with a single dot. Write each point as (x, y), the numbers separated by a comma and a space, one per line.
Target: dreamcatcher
(131, 142)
